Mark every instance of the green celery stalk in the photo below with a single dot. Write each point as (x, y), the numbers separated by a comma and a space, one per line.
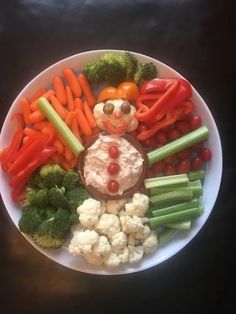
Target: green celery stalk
(182, 225)
(166, 234)
(196, 189)
(196, 175)
(181, 143)
(173, 196)
(166, 181)
(175, 208)
(175, 217)
(67, 135)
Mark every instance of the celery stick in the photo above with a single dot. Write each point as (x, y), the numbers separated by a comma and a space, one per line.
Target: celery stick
(166, 235)
(182, 225)
(174, 196)
(181, 143)
(197, 174)
(175, 217)
(175, 208)
(165, 181)
(67, 135)
(197, 190)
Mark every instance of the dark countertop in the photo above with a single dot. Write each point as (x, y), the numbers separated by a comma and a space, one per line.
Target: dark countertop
(196, 38)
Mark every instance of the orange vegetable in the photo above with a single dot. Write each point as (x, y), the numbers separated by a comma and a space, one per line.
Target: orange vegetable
(78, 103)
(73, 82)
(87, 90)
(68, 154)
(38, 94)
(58, 107)
(108, 93)
(75, 128)
(126, 90)
(41, 125)
(59, 88)
(25, 108)
(89, 115)
(47, 95)
(83, 123)
(36, 116)
(69, 117)
(69, 99)
(30, 132)
(59, 146)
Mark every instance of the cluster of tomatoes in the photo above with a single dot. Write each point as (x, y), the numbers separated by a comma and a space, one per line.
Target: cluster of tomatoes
(192, 158)
(113, 168)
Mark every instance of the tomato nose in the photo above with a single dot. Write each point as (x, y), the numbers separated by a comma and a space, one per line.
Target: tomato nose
(117, 114)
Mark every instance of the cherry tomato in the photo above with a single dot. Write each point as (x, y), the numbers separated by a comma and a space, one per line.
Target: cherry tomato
(206, 154)
(184, 166)
(166, 129)
(113, 152)
(196, 163)
(171, 160)
(195, 122)
(141, 127)
(128, 90)
(173, 134)
(113, 186)
(161, 138)
(170, 170)
(197, 147)
(158, 166)
(185, 154)
(113, 168)
(183, 127)
(150, 142)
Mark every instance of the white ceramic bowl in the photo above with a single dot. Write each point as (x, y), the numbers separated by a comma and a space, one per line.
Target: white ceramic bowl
(173, 245)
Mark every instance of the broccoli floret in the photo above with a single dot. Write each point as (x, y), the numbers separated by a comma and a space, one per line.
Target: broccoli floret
(94, 71)
(35, 181)
(71, 179)
(130, 64)
(47, 241)
(57, 226)
(39, 198)
(145, 72)
(76, 196)
(52, 175)
(74, 218)
(30, 220)
(57, 197)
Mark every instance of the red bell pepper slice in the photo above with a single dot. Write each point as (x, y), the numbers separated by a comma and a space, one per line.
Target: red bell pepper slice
(156, 85)
(115, 130)
(157, 107)
(146, 97)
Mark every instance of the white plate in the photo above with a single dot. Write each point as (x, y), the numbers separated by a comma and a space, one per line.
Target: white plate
(211, 184)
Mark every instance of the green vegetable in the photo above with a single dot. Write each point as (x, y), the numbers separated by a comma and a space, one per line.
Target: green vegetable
(57, 226)
(175, 217)
(165, 235)
(76, 196)
(196, 175)
(67, 135)
(175, 208)
(130, 64)
(52, 175)
(166, 181)
(35, 181)
(57, 197)
(38, 198)
(46, 241)
(181, 143)
(71, 179)
(30, 219)
(182, 225)
(145, 72)
(174, 196)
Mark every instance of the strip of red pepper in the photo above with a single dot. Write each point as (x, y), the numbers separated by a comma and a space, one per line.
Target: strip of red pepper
(156, 108)
(170, 118)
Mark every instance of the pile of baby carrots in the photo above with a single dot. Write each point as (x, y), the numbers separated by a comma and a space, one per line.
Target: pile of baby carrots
(73, 99)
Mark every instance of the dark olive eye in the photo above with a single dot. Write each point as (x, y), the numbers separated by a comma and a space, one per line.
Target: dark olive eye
(125, 107)
(108, 108)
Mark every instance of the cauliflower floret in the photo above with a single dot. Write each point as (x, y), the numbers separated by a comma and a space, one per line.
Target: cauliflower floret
(119, 241)
(131, 224)
(143, 233)
(150, 244)
(102, 247)
(108, 224)
(135, 253)
(112, 260)
(93, 259)
(124, 255)
(114, 206)
(132, 240)
(138, 206)
(89, 212)
(83, 242)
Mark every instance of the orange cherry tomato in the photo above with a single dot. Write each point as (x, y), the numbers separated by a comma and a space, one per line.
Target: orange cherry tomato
(108, 93)
(128, 90)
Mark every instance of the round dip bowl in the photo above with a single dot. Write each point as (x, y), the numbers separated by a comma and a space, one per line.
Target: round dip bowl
(180, 239)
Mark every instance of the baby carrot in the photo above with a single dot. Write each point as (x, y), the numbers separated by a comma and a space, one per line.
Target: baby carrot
(59, 88)
(78, 103)
(25, 108)
(30, 132)
(87, 90)
(73, 82)
(41, 125)
(58, 107)
(83, 123)
(36, 116)
(47, 95)
(59, 146)
(89, 115)
(69, 117)
(69, 99)
(68, 154)
(66, 165)
(75, 128)
(25, 138)
(38, 94)
(73, 163)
